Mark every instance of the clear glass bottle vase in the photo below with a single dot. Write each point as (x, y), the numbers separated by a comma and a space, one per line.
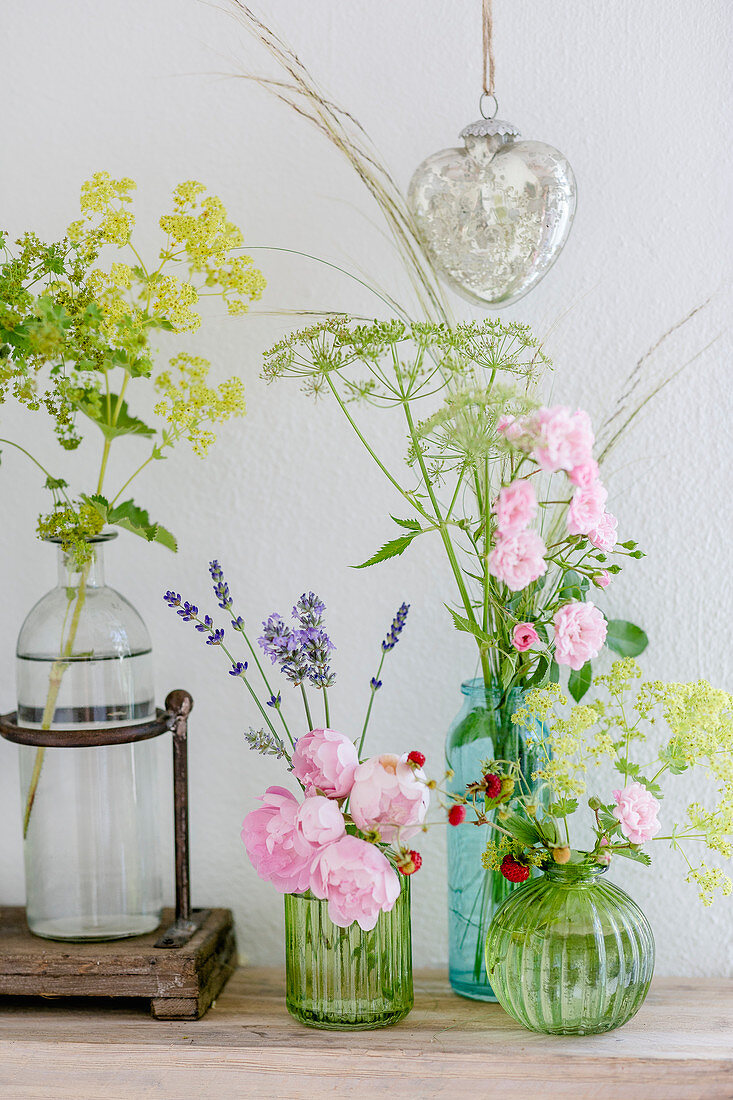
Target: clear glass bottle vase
(569, 953)
(90, 815)
(344, 979)
(483, 730)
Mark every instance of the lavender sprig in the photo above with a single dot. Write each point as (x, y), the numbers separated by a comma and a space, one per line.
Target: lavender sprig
(268, 744)
(390, 641)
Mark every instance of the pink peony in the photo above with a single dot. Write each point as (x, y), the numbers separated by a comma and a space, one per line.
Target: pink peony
(580, 631)
(602, 579)
(513, 428)
(564, 439)
(586, 509)
(517, 560)
(319, 820)
(358, 881)
(637, 810)
(279, 854)
(603, 535)
(515, 507)
(524, 635)
(584, 474)
(390, 795)
(325, 760)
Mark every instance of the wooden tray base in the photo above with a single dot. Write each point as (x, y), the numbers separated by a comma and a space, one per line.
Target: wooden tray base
(180, 982)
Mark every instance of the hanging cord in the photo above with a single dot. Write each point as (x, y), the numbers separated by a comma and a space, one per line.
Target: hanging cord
(488, 58)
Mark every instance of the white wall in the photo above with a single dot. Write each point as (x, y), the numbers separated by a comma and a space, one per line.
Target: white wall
(634, 95)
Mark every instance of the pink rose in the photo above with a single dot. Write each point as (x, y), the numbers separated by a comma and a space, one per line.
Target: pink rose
(637, 810)
(524, 635)
(517, 560)
(390, 795)
(602, 579)
(325, 760)
(358, 881)
(580, 631)
(603, 535)
(319, 820)
(513, 428)
(564, 439)
(515, 507)
(584, 474)
(586, 509)
(279, 854)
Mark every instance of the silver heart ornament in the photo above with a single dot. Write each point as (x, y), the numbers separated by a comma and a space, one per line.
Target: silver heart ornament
(494, 215)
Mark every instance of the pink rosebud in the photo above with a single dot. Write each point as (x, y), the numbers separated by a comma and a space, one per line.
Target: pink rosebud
(517, 560)
(515, 507)
(357, 880)
(637, 810)
(586, 509)
(524, 635)
(604, 858)
(319, 820)
(585, 474)
(580, 631)
(390, 795)
(603, 535)
(279, 854)
(602, 579)
(325, 760)
(564, 440)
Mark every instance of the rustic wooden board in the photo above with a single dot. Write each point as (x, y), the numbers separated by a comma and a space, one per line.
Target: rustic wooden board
(679, 1047)
(179, 983)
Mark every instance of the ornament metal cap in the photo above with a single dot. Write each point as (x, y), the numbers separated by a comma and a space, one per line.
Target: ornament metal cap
(489, 127)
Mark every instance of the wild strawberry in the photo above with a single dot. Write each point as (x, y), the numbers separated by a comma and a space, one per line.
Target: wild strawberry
(409, 861)
(457, 814)
(416, 757)
(493, 785)
(514, 870)
(561, 855)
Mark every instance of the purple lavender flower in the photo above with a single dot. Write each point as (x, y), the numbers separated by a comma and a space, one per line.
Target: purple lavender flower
(188, 612)
(274, 701)
(282, 647)
(238, 668)
(393, 634)
(173, 599)
(216, 637)
(221, 588)
(205, 625)
(315, 642)
(375, 683)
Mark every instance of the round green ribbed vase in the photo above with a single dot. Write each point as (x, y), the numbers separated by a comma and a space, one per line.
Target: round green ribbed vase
(569, 953)
(345, 979)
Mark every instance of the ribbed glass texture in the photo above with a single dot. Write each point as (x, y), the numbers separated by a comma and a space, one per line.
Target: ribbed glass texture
(90, 815)
(570, 954)
(482, 731)
(342, 978)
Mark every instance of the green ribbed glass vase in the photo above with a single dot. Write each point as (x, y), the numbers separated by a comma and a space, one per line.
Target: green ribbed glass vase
(342, 978)
(569, 953)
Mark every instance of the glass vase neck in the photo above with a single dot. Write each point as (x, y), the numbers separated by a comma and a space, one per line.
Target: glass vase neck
(574, 874)
(75, 567)
(477, 690)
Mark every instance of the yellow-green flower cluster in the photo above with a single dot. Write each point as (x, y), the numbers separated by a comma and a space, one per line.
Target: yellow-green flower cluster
(189, 403)
(497, 849)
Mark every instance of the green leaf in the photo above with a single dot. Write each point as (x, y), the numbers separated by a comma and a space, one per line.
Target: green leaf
(554, 672)
(409, 524)
(673, 758)
(131, 518)
(508, 668)
(574, 586)
(541, 673)
(653, 788)
(522, 829)
(463, 624)
(391, 549)
(627, 768)
(607, 820)
(580, 681)
(94, 405)
(630, 853)
(562, 807)
(625, 638)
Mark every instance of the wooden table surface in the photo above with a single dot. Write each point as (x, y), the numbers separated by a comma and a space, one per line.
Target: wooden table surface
(680, 1045)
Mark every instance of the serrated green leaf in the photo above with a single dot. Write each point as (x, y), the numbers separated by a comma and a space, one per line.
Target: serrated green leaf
(463, 624)
(625, 638)
(630, 853)
(391, 549)
(94, 406)
(541, 674)
(627, 768)
(580, 681)
(562, 807)
(508, 668)
(607, 820)
(522, 829)
(673, 758)
(136, 520)
(409, 524)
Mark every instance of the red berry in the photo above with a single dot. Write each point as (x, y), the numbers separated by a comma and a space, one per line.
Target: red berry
(411, 862)
(493, 785)
(416, 757)
(513, 870)
(457, 814)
